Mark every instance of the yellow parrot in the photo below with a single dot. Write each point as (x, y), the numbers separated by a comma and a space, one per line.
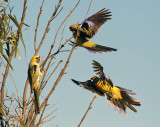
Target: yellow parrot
(34, 75)
(89, 28)
(119, 98)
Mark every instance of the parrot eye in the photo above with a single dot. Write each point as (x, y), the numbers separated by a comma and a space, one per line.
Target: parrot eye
(38, 57)
(92, 79)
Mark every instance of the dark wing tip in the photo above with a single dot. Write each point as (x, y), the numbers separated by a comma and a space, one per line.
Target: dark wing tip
(96, 63)
(115, 49)
(76, 82)
(98, 69)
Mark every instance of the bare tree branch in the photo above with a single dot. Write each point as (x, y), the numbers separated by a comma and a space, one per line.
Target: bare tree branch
(4, 79)
(23, 14)
(35, 36)
(47, 28)
(90, 106)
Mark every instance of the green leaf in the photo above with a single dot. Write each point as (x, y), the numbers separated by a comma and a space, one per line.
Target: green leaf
(13, 125)
(2, 28)
(6, 58)
(1, 47)
(2, 10)
(15, 21)
(19, 54)
(26, 24)
(8, 49)
(5, 20)
(15, 50)
(1, 111)
(20, 35)
(22, 123)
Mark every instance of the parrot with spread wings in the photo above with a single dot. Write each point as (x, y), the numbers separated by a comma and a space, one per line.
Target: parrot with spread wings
(34, 75)
(89, 28)
(119, 98)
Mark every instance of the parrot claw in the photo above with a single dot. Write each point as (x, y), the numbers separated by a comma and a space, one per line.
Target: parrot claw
(71, 43)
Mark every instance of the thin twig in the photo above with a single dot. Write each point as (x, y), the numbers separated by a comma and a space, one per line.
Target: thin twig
(24, 99)
(45, 71)
(87, 12)
(90, 106)
(59, 49)
(35, 36)
(23, 14)
(4, 79)
(62, 35)
(88, 9)
(47, 28)
(52, 72)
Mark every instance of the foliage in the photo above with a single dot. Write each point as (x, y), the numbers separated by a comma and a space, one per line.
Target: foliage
(10, 33)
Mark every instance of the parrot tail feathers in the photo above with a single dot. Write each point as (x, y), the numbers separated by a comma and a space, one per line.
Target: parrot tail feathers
(127, 98)
(126, 101)
(117, 105)
(100, 49)
(37, 110)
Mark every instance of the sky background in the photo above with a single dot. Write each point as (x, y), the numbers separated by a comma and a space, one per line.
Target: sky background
(134, 30)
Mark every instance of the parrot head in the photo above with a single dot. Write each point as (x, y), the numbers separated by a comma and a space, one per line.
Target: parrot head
(94, 79)
(36, 59)
(73, 27)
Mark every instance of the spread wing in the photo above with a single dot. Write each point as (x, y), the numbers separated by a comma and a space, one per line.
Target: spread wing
(89, 86)
(94, 22)
(33, 73)
(99, 71)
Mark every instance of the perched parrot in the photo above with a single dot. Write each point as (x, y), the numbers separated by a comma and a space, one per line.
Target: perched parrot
(34, 74)
(89, 28)
(119, 98)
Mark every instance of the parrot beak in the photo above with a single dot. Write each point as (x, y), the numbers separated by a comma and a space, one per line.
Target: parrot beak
(39, 58)
(92, 79)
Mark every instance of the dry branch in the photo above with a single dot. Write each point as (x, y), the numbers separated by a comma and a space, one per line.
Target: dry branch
(47, 28)
(35, 36)
(90, 106)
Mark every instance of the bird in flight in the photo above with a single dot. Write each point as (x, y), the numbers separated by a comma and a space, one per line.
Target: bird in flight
(89, 28)
(119, 98)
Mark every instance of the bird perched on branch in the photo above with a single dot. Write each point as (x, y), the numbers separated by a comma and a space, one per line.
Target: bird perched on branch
(119, 98)
(89, 28)
(34, 74)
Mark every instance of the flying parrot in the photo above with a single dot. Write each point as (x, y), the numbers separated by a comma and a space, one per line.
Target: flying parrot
(89, 28)
(119, 98)
(34, 75)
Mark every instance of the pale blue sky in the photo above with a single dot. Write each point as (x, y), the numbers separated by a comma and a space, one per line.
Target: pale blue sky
(134, 30)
